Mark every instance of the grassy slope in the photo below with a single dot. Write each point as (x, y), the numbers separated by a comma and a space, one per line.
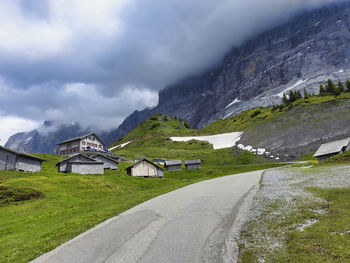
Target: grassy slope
(340, 158)
(156, 126)
(249, 119)
(74, 203)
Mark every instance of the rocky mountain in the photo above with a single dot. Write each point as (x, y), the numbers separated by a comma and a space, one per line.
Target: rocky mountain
(302, 53)
(45, 138)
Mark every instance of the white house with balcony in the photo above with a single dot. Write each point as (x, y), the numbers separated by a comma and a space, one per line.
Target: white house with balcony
(85, 143)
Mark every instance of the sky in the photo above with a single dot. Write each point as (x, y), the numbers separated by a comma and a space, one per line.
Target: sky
(96, 62)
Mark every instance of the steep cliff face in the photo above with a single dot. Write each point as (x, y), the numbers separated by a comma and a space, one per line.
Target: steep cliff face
(302, 53)
(309, 49)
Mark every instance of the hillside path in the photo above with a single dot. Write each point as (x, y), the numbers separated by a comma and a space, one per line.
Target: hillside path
(191, 224)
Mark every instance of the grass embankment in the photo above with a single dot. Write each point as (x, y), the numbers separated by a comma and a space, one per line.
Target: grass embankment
(72, 203)
(327, 240)
(299, 222)
(249, 119)
(342, 158)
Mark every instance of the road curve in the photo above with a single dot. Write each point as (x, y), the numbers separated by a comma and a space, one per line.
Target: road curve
(190, 224)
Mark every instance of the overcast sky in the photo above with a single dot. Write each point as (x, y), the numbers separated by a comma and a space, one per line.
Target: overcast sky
(96, 62)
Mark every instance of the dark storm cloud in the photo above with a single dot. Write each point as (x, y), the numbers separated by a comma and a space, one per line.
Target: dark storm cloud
(59, 55)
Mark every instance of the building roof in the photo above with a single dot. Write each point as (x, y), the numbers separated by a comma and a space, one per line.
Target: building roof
(85, 162)
(173, 162)
(68, 159)
(106, 157)
(145, 161)
(26, 155)
(79, 138)
(332, 147)
(197, 161)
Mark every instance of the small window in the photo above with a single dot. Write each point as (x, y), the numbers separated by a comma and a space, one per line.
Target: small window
(93, 138)
(83, 143)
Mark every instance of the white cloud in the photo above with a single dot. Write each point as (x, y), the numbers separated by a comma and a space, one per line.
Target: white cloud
(97, 61)
(11, 124)
(75, 102)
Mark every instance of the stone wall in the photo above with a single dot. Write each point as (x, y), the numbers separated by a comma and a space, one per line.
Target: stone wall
(85, 168)
(193, 166)
(174, 167)
(28, 165)
(108, 164)
(7, 160)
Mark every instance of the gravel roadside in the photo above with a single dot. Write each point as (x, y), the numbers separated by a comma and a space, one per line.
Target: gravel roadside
(281, 195)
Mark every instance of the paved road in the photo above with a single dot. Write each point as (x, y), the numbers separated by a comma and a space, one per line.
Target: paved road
(187, 225)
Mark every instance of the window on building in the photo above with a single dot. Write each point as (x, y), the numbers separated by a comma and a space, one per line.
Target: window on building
(83, 143)
(93, 138)
(83, 148)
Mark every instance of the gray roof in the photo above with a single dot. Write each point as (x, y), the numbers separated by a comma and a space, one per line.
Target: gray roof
(85, 162)
(80, 137)
(173, 162)
(68, 159)
(332, 147)
(197, 161)
(106, 157)
(26, 155)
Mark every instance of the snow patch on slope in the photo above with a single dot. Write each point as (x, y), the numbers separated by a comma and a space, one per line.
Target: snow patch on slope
(299, 82)
(120, 145)
(219, 141)
(233, 102)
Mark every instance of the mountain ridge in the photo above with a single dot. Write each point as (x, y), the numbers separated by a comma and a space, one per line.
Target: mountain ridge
(267, 65)
(301, 53)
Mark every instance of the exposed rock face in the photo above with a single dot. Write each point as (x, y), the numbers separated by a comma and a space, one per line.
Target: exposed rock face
(300, 54)
(302, 129)
(303, 53)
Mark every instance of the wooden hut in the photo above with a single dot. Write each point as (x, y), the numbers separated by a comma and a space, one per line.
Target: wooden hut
(330, 149)
(80, 164)
(108, 162)
(145, 168)
(173, 165)
(14, 160)
(193, 164)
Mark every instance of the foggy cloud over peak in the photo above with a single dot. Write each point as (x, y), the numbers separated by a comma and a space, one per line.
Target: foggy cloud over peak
(60, 56)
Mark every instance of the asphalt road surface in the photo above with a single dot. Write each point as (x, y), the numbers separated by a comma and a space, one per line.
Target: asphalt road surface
(191, 224)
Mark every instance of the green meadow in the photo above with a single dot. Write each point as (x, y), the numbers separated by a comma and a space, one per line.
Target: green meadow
(69, 204)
